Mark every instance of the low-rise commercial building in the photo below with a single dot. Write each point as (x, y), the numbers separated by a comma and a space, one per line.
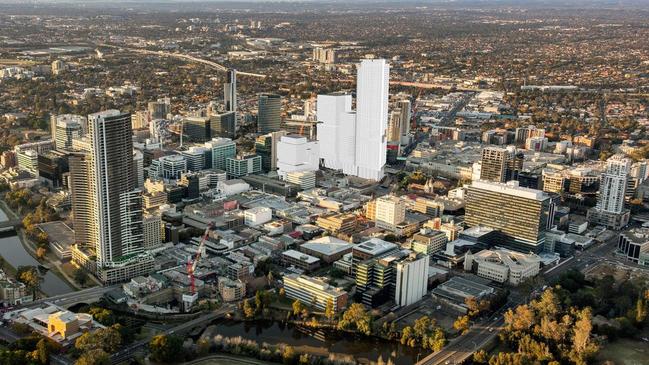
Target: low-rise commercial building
(316, 292)
(634, 243)
(231, 290)
(502, 265)
(300, 260)
(327, 249)
(338, 223)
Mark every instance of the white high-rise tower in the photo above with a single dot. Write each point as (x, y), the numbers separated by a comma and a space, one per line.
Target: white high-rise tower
(610, 211)
(356, 142)
(372, 83)
(613, 184)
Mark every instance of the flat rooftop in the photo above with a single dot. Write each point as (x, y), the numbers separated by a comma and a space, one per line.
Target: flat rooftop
(466, 286)
(375, 246)
(58, 231)
(300, 256)
(510, 188)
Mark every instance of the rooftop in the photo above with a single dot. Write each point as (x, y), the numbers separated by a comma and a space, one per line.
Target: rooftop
(375, 246)
(510, 188)
(300, 256)
(327, 245)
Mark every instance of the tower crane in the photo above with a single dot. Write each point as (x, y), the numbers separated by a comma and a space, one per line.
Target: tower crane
(191, 265)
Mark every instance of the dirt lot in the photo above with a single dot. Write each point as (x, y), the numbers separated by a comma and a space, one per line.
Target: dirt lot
(626, 351)
(428, 308)
(619, 272)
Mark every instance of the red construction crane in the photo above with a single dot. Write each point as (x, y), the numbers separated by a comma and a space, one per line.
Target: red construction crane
(191, 265)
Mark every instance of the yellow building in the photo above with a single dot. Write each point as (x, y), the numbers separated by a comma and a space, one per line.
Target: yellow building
(65, 324)
(338, 223)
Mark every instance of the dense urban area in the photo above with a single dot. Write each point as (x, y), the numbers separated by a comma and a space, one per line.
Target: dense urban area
(324, 183)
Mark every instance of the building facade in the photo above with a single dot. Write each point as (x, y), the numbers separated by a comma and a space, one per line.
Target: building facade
(519, 215)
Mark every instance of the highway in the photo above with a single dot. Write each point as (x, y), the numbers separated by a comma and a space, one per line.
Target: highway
(181, 56)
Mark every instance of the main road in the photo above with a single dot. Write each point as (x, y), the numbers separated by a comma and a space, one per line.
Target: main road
(129, 351)
(89, 295)
(461, 348)
(181, 56)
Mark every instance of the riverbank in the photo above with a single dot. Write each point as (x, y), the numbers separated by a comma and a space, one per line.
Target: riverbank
(30, 247)
(227, 360)
(254, 338)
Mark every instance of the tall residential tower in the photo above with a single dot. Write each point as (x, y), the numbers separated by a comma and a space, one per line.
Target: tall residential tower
(106, 202)
(610, 210)
(356, 143)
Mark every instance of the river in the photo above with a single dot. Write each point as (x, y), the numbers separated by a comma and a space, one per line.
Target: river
(12, 250)
(360, 347)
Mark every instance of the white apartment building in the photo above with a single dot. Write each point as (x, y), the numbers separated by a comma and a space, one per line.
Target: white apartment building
(296, 153)
(356, 143)
(613, 184)
(27, 160)
(305, 179)
(168, 167)
(411, 279)
(609, 210)
(67, 127)
(390, 211)
(258, 215)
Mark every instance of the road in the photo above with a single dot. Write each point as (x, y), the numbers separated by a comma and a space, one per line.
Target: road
(479, 335)
(128, 352)
(82, 296)
(461, 348)
(181, 56)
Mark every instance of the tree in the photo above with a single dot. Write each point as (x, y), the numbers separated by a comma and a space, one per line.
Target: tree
(94, 357)
(288, 355)
(355, 317)
(297, 307)
(102, 315)
(259, 302)
(80, 276)
(107, 339)
(248, 310)
(42, 352)
(166, 349)
(583, 346)
(548, 305)
(408, 336)
(41, 252)
(329, 309)
(641, 310)
(461, 324)
(480, 357)
(29, 276)
(42, 238)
